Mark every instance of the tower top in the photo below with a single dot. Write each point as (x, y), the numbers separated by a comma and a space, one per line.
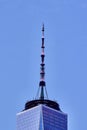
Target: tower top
(42, 96)
(42, 83)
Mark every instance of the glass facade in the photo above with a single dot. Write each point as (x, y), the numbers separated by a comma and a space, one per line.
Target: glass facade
(29, 119)
(53, 119)
(41, 118)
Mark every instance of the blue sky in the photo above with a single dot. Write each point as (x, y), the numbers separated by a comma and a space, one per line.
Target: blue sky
(66, 57)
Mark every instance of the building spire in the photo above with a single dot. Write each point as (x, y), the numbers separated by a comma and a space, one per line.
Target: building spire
(42, 92)
(42, 96)
(42, 82)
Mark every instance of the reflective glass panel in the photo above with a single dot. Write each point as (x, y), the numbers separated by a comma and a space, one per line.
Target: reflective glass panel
(53, 119)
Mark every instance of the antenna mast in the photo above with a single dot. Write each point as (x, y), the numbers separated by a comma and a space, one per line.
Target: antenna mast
(42, 82)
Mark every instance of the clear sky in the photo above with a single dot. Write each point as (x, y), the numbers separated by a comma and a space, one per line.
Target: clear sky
(66, 57)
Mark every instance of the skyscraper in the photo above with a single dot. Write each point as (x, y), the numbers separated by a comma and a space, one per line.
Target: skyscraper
(42, 113)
